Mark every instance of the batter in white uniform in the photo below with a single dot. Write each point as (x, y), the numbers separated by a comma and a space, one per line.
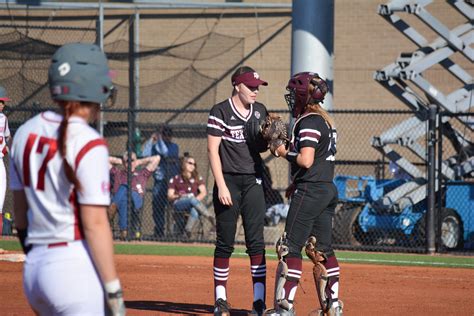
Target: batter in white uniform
(4, 137)
(60, 181)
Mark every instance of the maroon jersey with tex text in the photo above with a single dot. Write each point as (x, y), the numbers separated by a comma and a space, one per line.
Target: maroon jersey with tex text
(226, 122)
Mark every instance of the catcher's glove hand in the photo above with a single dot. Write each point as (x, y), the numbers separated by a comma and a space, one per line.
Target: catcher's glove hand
(275, 132)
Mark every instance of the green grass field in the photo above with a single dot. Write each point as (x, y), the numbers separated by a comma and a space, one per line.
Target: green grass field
(445, 261)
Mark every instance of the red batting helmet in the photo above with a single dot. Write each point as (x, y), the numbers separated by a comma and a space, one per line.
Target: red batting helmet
(299, 88)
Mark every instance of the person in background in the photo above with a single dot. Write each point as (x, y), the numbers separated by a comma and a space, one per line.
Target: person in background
(160, 143)
(139, 180)
(4, 139)
(186, 192)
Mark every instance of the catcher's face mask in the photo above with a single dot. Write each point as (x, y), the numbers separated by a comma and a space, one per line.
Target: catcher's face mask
(305, 88)
(290, 101)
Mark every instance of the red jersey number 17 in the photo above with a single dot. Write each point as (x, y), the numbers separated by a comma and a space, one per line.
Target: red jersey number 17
(42, 142)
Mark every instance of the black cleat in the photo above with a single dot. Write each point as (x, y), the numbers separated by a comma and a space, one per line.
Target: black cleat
(258, 308)
(221, 308)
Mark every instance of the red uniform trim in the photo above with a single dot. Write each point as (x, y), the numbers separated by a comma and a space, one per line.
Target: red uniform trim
(87, 148)
(78, 229)
(26, 159)
(58, 244)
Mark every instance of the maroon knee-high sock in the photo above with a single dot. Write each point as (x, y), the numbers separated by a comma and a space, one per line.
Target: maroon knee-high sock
(221, 274)
(258, 269)
(332, 267)
(295, 266)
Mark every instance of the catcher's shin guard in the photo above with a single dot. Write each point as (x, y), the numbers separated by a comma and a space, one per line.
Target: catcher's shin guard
(281, 273)
(280, 280)
(319, 273)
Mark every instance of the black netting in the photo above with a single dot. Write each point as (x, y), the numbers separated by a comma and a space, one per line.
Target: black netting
(209, 46)
(15, 46)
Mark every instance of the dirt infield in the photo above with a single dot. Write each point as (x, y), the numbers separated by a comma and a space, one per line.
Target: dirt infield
(156, 285)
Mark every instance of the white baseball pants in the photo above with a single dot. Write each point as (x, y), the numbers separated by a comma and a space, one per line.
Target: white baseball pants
(62, 280)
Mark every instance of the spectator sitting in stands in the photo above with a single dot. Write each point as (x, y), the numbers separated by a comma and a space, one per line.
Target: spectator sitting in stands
(186, 192)
(120, 188)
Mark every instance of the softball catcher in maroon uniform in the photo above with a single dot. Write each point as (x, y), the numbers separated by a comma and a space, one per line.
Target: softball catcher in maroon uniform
(313, 198)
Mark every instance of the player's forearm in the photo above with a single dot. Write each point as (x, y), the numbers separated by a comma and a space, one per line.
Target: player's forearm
(216, 167)
(99, 238)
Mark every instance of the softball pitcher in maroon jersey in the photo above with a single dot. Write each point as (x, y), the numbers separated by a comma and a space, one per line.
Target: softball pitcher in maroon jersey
(313, 198)
(60, 180)
(234, 154)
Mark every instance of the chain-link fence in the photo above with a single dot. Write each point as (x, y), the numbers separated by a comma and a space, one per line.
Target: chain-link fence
(363, 177)
(386, 209)
(165, 93)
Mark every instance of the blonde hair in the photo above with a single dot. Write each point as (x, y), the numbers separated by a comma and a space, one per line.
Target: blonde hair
(318, 109)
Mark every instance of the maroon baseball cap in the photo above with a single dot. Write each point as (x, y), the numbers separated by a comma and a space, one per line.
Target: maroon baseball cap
(3, 94)
(250, 79)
